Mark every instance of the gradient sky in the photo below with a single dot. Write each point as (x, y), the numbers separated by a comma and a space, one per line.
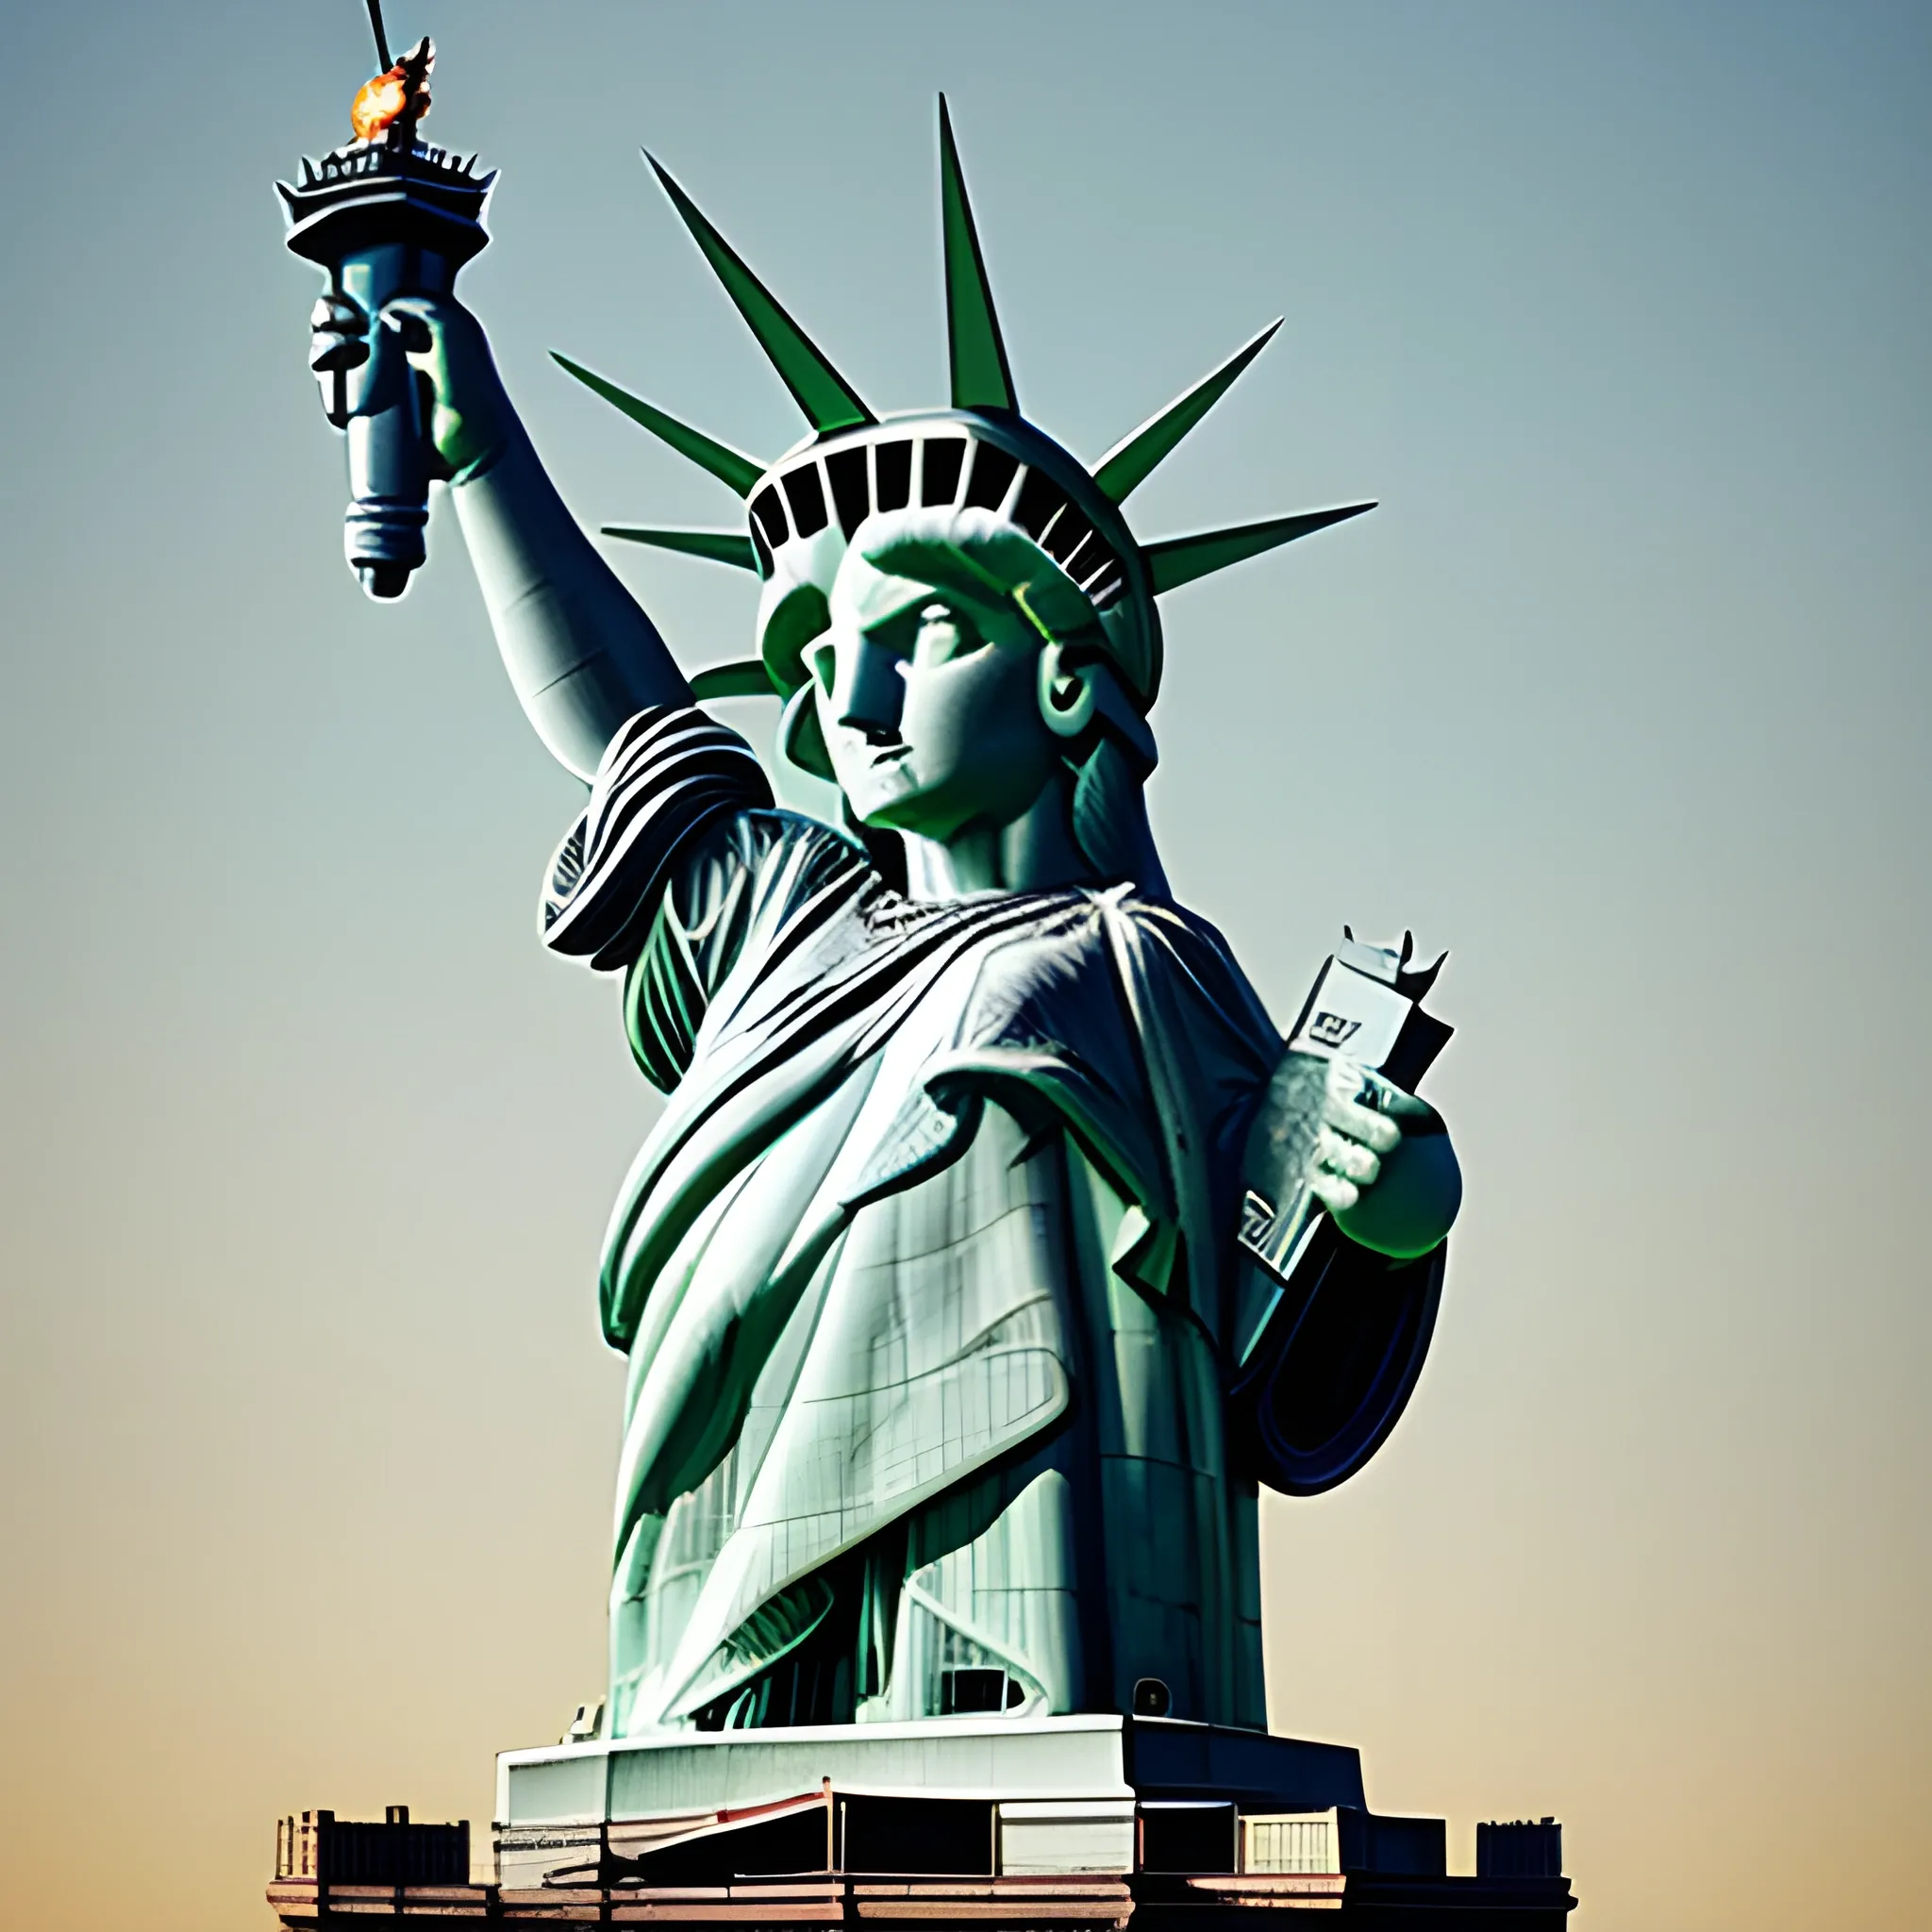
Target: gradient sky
(1625, 316)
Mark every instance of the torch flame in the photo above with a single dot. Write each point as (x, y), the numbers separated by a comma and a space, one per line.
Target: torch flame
(380, 103)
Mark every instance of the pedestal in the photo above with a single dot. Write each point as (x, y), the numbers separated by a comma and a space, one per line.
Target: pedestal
(984, 1821)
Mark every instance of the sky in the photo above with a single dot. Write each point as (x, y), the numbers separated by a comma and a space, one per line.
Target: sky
(306, 1433)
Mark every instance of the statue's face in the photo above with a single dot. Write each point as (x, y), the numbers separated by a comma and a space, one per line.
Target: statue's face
(931, 717)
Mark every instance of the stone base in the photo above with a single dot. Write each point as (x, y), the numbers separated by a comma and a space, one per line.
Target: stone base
(993, 1796)
(1092, 1820)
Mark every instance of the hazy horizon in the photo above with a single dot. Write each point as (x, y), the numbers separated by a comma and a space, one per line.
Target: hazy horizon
(306, 1430)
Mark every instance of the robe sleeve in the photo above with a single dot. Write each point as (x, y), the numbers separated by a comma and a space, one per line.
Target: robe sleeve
(730, 893)
(1335, 1365)
(678, 867)
(669, 776)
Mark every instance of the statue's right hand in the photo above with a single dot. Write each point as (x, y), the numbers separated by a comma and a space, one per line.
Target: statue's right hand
(471, 421)
(471, 418)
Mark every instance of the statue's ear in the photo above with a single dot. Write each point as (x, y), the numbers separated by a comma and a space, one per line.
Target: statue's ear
(800, 739)
(1066, 693)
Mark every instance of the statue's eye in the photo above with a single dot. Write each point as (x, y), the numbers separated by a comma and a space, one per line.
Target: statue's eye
(943, 635)
(825, 661)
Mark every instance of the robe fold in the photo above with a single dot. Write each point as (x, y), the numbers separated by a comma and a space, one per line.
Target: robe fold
(928, 1275)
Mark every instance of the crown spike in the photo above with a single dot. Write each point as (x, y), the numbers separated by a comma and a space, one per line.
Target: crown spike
(724, 462)
(829, 401)
(716, 546)
(1177, 560)
(1135, 457)
(982, 378)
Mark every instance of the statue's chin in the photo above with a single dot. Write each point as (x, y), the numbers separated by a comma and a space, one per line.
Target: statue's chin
(870, 794)
(895, 798)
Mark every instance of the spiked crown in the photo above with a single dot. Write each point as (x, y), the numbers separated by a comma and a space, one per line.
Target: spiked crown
(804, 508)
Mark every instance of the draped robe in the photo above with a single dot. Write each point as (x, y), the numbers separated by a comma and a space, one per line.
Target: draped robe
(928, 1275)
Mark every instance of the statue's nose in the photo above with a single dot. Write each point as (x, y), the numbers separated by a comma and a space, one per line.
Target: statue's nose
(873, 689)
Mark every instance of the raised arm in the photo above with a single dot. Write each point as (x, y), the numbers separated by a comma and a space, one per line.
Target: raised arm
(581, 653)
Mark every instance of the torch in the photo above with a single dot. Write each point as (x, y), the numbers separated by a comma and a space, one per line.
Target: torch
(385, 216)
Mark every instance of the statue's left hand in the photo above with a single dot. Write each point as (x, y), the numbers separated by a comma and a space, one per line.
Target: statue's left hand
(1383, 1165)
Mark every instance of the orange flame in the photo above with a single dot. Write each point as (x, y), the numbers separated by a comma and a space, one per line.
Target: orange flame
(382, 102)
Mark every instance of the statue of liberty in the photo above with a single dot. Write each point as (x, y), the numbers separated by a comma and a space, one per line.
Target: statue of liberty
(954, 1363)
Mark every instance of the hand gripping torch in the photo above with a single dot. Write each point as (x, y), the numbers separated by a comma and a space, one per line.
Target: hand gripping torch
(385, 216)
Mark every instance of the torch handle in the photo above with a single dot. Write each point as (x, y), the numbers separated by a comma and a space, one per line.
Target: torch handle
(384, 530)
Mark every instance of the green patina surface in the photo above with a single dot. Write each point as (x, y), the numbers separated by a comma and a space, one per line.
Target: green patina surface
(930, 1279)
